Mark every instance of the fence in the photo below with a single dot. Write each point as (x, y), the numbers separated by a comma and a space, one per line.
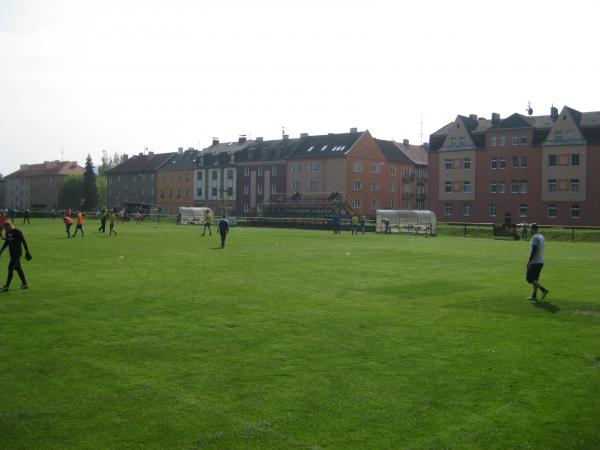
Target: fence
(551, 232)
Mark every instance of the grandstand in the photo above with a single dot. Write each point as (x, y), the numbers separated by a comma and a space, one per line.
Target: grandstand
(312, 204)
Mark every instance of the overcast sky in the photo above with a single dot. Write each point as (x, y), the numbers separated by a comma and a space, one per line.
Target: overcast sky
(124, 75)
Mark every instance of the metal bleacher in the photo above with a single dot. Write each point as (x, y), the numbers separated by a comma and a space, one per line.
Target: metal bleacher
(312, 204)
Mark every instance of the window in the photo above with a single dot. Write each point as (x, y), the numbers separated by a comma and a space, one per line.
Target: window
(314, 167)
(162, 194)
(296, 168)
(552, 211)
(274, 170)
(357, 203)
(461, 140)
(523, 161)
(523, 140)
(260, 171)
(466, 187)
(494, 163)
(393, 187)
(574, 185)
(493, 187)
(246, 171)
(448, 209)
(198, 176)
(358, 167)
(405, 204)
(392, 171)
(392, 204)
(375, 168)
(558, 137)
(552, 185)
(259, 189)
(375, 203)
(515, 161)
(187, 178)
(214, 192)
(374, 187)
(575, 213)
(514, 187)
(406, 170)
(356, 185)
(178, 178)
(246, 189)
(575, 159)
(198, 192)
(503, 163)
(467, 209)
(214, 174)
(313, 186)
(448, 163)
(295, 186)
(187, 193)
(501, 187)
(502, 141)
(467, 163)
(570, 136)
(273, 189)
(515, 140)
(448, 186)
(493, 209)
(178, 193)
(452, 142)
(246, 208)
(523, 186)
(230, 174)
(493, 141)
(523, 210)
(552, 160)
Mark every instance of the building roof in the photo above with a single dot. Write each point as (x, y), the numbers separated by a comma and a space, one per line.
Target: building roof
(181, 161)
(47, 168)
(327, 145)
(227, 147)
(415, 153)
(392, 151)
(142, 163)
(273, 150)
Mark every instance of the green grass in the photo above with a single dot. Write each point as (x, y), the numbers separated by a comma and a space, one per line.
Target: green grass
(157, 339)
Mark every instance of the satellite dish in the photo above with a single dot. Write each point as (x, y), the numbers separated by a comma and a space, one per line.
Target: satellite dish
(529, 108)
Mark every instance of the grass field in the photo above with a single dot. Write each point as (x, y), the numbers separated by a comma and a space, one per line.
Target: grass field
(158, 339)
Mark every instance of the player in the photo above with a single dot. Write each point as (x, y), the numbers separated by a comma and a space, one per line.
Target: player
(14, 241)
(102, 227)
(3, 219)
(79, 224)
(68, 222)
(536, 262)
(111, 221)
(207, 224)
(223, 229)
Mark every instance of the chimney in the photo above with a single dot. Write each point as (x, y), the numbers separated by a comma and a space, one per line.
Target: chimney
(125, 157)
(151, 154)
(554, 113)
(259, 139)
(141, 154)
(495, 118)
(242, 139)
(473, 117)
(353, 130)
(180, 150)
(405, 142)
(303, 135)
(215, 141)
(285, 137)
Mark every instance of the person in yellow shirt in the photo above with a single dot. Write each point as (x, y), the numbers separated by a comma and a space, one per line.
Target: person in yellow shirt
(207, 224)
(111, 221)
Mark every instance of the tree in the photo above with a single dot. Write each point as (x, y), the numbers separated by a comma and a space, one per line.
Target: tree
(71, 192)
(89, 188)
(102, 185)
(108, 162)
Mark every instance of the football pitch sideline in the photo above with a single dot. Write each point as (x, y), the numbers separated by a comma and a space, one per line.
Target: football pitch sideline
(160, 339)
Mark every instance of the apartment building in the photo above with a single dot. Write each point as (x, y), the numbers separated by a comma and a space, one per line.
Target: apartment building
(528, 168)
(175, 181)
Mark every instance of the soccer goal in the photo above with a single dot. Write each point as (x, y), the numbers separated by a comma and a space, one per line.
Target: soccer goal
(405, 221)
(195, 216)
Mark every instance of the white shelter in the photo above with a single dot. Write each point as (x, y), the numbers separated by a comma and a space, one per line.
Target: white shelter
(194, 215)
(406, 221)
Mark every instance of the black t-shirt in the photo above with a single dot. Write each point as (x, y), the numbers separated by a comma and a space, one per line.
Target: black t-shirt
(14, 239)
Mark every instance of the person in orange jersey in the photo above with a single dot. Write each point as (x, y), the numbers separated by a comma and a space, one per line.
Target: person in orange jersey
(79, 224)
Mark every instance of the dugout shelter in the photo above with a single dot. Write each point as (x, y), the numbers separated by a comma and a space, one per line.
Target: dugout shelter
(195, 216)
(406, 221)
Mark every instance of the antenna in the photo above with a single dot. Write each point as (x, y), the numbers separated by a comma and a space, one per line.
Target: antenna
(421, 130)
(282, 130)
(62, 154)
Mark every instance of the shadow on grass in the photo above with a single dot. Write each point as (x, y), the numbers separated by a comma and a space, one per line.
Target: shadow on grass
(546, 306)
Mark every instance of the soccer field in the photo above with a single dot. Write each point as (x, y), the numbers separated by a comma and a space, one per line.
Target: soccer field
(158, 339)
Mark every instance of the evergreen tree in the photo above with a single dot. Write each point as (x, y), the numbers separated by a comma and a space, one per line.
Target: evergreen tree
(89, 188)
(71, 192)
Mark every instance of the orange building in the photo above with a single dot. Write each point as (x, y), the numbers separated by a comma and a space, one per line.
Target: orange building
(175, 182)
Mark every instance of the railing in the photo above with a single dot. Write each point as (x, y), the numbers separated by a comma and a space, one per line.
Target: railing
(421, 180)
(408, 195)
(408, 178)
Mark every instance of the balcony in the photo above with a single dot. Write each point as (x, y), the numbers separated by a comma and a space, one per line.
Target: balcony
(422, 196)
(408, 195)
(422, 180)
(408, 178)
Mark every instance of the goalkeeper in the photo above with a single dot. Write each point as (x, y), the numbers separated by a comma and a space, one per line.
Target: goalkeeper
(14, 241)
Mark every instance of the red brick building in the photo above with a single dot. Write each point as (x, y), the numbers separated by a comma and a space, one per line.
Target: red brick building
(532, 168)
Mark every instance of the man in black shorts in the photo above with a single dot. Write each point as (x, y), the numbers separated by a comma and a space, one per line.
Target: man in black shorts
(14, 240)
(535, 263)
(223, 228)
